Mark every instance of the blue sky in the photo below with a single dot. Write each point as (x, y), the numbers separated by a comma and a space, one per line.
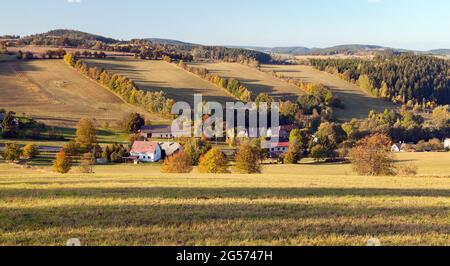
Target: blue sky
(413, 24)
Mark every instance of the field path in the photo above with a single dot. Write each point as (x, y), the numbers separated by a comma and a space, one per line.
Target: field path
(358, 102)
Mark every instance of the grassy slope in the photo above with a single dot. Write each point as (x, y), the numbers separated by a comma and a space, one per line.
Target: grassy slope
(54, 93)
(136, 205)
(255, 80)
(358, 103)
(159, 75)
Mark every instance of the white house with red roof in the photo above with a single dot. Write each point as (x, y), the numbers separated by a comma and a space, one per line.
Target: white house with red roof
(146, 151)
(278, 148)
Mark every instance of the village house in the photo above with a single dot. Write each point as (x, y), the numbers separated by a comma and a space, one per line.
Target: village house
(403, 147)
(447, 144)
(169, 148)
(157, 132)
(278, 149)
(146, 151)
(284, 132)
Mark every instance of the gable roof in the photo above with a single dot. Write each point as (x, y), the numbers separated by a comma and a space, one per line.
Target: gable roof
(156, 129)
(144, 147)
(279, 145)
(397, 146)
(170, 148)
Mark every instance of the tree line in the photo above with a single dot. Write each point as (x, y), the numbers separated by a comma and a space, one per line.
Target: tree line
(153, 102)
(399, 78)
(146, 49)
(233, 86)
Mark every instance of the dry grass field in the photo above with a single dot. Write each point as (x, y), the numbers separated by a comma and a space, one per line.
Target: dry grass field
(358, 102)
(255, 80)
(286, 205)
(52, 92)
(162, 76)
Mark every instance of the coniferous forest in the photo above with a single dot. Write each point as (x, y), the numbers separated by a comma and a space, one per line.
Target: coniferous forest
(400, 78)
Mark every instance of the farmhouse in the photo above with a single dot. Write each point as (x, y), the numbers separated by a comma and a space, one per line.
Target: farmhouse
(169, 148)
(284, 132)
(403, 147)
(158, 132)
(145, 151)
(278, 149)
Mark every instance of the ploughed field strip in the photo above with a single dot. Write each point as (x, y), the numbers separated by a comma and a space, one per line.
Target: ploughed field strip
(256, 81)
(120, 206)
(358, 103)
(162, 76)
(56, 94)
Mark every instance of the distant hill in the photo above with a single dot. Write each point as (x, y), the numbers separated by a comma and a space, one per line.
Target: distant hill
(340, 49)
(71, 35)
(440, 52)
(169, 42)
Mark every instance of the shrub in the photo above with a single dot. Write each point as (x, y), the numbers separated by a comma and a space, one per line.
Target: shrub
(195, 148)
(86, 163)
(294, 152)
(372, 157)
(62, 163)
(436, 145)
(213, 162)
(178, 163)
(12, 152)
(248, 159)
(319, 152)
(31, 151)
(133, 123)
(72, 148)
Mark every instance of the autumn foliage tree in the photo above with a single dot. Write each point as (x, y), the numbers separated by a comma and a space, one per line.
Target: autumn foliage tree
(371, 156)
(295, 146)
(213, 162)
(62, 163)
(30, 151)
(12, 152)
(248, 159)
(178, 163)
(86, 133)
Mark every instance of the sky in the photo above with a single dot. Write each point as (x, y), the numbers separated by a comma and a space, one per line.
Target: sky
(410, 24)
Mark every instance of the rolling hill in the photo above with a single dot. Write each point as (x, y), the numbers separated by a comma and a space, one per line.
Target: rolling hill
(161, 76)
(52, 92)
(70, 35)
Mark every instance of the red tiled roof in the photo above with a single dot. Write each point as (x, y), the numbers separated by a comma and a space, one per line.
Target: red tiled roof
(144, 147)
(283, 145)
(279, 145)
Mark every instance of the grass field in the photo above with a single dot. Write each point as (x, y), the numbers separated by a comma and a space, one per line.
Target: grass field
(162, 76)
(306, 204)
(52, 92)
(255, 80)
(358, 102)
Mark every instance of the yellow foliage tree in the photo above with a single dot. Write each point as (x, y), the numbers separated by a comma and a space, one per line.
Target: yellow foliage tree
(213, 162)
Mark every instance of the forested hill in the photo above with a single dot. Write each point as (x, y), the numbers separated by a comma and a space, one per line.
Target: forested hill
(400, 78)
(151, 48)
(62, 37)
